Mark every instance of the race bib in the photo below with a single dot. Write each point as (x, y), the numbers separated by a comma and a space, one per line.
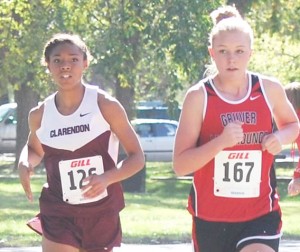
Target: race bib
(72, 174)
(237, 174)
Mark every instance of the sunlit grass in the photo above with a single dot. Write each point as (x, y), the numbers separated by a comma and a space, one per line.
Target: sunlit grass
(15, 211)
(157, 215)
(291, 218)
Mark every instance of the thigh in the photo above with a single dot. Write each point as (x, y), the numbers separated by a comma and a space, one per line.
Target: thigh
(257, 247)
(264, 232)
(214, 236)
(61, 230)
(50, 246)
(97, 234)
(100, 234)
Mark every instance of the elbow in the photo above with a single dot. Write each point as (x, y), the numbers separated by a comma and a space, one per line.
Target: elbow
(297, 132)
(178, 169)
(178, 172)
(140, 162)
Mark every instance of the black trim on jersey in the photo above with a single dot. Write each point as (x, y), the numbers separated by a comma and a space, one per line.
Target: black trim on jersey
(273, 184)
(192, 198)
(255, 85)
(209, 89)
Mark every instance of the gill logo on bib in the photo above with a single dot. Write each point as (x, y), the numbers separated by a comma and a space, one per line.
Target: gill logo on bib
(72, 174)
(237, 174)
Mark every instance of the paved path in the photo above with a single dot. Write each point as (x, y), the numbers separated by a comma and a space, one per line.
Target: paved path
(285, 246)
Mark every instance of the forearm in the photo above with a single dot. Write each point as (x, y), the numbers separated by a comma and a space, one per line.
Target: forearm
(195, 158)
(126, 168)
(29, 157)
(288, 133)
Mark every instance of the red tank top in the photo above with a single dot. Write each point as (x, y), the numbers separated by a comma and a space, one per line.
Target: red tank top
(239, 184)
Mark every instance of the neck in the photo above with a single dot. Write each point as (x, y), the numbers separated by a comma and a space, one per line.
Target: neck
(232, 88)
(68, 101)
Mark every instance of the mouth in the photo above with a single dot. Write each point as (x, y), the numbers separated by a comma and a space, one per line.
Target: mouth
(66, 76)
(232, 69)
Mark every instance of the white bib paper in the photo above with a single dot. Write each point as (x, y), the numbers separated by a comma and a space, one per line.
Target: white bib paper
(237, 174)
(73, 172)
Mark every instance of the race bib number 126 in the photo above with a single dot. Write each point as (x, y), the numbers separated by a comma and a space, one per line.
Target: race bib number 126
(73, 172)
(237, 174)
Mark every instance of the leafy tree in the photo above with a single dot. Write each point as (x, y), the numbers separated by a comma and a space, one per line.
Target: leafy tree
(23, 27)
(139, 46)
(276, 24)
(146, 49)
(178, 35)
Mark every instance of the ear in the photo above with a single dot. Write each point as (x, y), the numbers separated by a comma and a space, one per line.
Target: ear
(85, 64)
(48, 68)
(211, 52)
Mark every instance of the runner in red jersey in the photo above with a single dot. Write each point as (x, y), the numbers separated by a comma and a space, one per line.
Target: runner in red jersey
(76, 132)
(227, 139)
(293, 93)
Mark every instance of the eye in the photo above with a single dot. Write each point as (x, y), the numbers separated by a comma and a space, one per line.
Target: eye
(75, 60)
(56, 60)
(222, 51)
(240, 51)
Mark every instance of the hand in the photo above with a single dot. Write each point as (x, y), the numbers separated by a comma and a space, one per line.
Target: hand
(271, 144)
(94, 185)
(25, 171)
(294, 187)
(233, 134)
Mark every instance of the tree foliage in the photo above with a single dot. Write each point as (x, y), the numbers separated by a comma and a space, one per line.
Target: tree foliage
(146, 46)
(139, 47)
(147, 49)
(277, 46)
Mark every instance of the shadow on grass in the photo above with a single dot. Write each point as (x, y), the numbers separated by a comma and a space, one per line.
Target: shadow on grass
(161, 193)
(158, 239)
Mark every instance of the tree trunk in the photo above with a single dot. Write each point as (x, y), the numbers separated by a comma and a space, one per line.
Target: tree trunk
(26, 99)
(125, 96)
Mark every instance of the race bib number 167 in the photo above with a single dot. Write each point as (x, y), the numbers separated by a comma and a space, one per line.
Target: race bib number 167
(237, 174)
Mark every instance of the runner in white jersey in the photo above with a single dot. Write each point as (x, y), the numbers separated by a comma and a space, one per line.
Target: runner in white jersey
(76, 132)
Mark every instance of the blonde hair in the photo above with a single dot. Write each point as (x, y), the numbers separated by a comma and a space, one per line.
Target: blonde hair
(228, 18)
(224, 12)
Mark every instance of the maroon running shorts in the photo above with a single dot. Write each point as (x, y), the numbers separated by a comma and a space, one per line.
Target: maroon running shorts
(98, 234)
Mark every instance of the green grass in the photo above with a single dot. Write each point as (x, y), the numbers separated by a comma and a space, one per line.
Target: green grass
(157, 216)
(15, 210)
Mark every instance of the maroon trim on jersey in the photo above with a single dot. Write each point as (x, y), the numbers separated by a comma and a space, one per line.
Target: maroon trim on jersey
(51, 201)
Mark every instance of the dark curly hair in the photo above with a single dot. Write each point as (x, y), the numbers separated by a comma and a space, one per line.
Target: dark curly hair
(62, 38)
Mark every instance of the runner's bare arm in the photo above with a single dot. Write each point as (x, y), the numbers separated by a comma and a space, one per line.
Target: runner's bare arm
(116, 116)
(188, 155)
(32, 153)
(284, 115)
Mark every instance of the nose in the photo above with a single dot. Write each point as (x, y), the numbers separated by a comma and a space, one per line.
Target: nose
(231, 57)
(65, 66)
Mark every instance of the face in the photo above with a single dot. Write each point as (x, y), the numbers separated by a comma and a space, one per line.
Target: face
(231, 53)
(66, 65)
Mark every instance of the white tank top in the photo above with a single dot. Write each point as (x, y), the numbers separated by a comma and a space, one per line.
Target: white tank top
(73, 131)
